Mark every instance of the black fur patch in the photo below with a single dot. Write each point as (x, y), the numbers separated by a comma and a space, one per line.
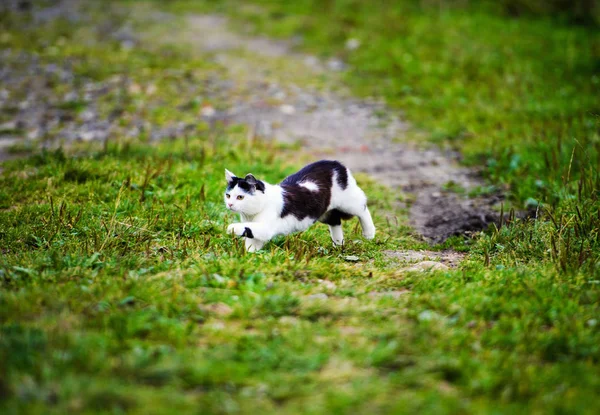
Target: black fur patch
(245, 186)
(319, 170)
(248, 233)
(302, 202)
(334, 217)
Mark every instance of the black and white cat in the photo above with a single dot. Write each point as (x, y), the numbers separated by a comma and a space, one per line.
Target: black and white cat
(324, 191)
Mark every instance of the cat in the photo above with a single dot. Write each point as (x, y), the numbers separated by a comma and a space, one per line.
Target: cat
(323, 191)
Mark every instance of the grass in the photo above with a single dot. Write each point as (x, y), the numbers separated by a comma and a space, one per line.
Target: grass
(120, 291)
(523, 105)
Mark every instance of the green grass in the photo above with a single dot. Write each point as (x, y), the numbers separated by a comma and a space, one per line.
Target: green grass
(120, 292)
(519, 98)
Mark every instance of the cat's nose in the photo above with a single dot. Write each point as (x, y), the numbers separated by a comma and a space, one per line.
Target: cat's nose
(230, 204)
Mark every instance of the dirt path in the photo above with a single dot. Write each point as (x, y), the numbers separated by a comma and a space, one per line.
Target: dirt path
(364, 134)
(279, 93)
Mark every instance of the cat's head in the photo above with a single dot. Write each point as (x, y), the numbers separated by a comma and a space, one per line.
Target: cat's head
(244, 195)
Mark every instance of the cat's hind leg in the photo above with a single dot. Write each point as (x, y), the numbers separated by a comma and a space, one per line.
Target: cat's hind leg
(366, 223)
(337, 234)
(354, 203)
(333, 218)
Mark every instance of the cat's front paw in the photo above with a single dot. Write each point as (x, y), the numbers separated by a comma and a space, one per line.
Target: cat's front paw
(253, 245)
(235, 229)
(240, 229)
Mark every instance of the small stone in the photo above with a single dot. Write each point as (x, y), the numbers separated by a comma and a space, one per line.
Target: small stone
(115, 79)
(335, 64)
(87, 135)
(289, 321)
(133, 132)
(92, 135)
(208, 111)
(319, 296)
(134, 89)
(287, 109)
(7, 142)
(216, 325)
(392, 294)
(352, 44)
(34, 134)
(87, 115)
(427, 266)
(349, 330)
(427, 315)
(280, 95)
(151, 89)
(351, 258)
(8, 126)
(71, 96)
(311, 61)
(328, 284)
(127, 44)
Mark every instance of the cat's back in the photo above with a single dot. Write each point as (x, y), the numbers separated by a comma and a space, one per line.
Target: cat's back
(318, 176)
(307, 193)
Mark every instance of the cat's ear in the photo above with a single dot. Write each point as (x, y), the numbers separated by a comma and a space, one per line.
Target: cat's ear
(229, 176)
(250, 179)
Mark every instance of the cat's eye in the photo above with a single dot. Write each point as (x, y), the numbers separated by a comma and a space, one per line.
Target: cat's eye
(228, 195)
(240, 197)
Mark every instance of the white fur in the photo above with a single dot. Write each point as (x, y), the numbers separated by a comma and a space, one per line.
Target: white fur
(353, 201)
(261, 212)
(337, 235)
(253, 245)
(310, 186)
(229, 175)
